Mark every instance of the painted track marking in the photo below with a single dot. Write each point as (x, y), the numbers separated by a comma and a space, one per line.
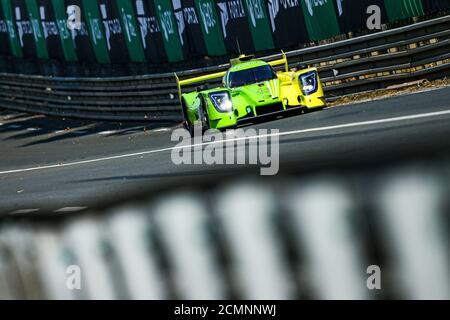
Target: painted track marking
(24, 211)
(69, 209)
(279, 134)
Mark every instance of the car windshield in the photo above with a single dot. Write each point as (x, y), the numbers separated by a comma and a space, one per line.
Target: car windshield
(251, 76)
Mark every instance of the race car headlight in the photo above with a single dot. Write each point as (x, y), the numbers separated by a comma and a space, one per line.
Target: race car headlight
(309, 83)
(221, 101)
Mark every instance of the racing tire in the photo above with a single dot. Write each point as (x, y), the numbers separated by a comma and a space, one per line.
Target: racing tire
(204, 118)
(186, 124)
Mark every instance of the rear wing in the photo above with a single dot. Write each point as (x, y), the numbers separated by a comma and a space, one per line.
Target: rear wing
(218, 75)
(181, 83)
(281, 61)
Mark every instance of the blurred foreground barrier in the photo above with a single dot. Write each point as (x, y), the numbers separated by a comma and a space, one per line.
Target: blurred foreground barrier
(417, 51)
(368, 235)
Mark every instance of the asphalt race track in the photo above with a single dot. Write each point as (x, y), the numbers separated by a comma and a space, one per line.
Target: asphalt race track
(64, 166)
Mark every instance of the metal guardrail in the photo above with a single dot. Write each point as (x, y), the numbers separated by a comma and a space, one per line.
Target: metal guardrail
(316, 236)
(417, 51)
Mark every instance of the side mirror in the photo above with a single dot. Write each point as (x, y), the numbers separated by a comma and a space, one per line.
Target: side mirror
(202, 88)
(300, 66)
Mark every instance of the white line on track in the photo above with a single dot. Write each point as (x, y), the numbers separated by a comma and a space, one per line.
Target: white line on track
(280, 134)
(24, 211)
(69, 209)
(72, 131)
(161, 130)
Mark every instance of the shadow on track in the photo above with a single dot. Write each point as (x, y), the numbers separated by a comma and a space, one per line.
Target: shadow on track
(21, 126)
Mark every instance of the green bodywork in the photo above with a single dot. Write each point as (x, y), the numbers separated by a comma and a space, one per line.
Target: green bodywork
(248, 101)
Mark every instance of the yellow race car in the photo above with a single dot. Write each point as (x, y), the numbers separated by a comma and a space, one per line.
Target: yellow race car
(250, 89)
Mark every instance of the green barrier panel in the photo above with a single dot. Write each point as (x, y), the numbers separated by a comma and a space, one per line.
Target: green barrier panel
(24, 28)
(235, 26)
(114, 32)
(33, 13)
(259, 24)
(189, 44)
(16, 49)
(403, 9)
(288, 25)
(131, 31)
(50, 30)
(169, 30)
(80, 35)
(4, 35)
(210, 25)
(320, 18)
(189, 29)
(152, 39)
(96, 32)
(68, 48)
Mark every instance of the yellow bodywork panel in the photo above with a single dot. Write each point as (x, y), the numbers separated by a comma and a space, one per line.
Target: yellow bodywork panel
(291, 91)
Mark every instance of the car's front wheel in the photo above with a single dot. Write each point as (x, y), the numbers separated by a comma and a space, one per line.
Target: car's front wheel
(204, 118)
(189, 127)
(186, 124)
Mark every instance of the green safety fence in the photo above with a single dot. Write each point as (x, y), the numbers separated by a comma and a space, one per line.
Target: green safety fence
(4, 35)
(156, 31)
(169, 30)
(211, 29)
(67, 43)
(320, 18)
(38, 33)
(402, 9)
(259, 24)
(149, 31)
(14, 41)
(131, 33)
(95, 29)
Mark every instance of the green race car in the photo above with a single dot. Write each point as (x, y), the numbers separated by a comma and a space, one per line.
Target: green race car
(250, 89)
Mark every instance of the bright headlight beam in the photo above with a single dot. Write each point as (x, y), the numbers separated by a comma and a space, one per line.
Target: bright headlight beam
(309, 83)
(221, 101)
